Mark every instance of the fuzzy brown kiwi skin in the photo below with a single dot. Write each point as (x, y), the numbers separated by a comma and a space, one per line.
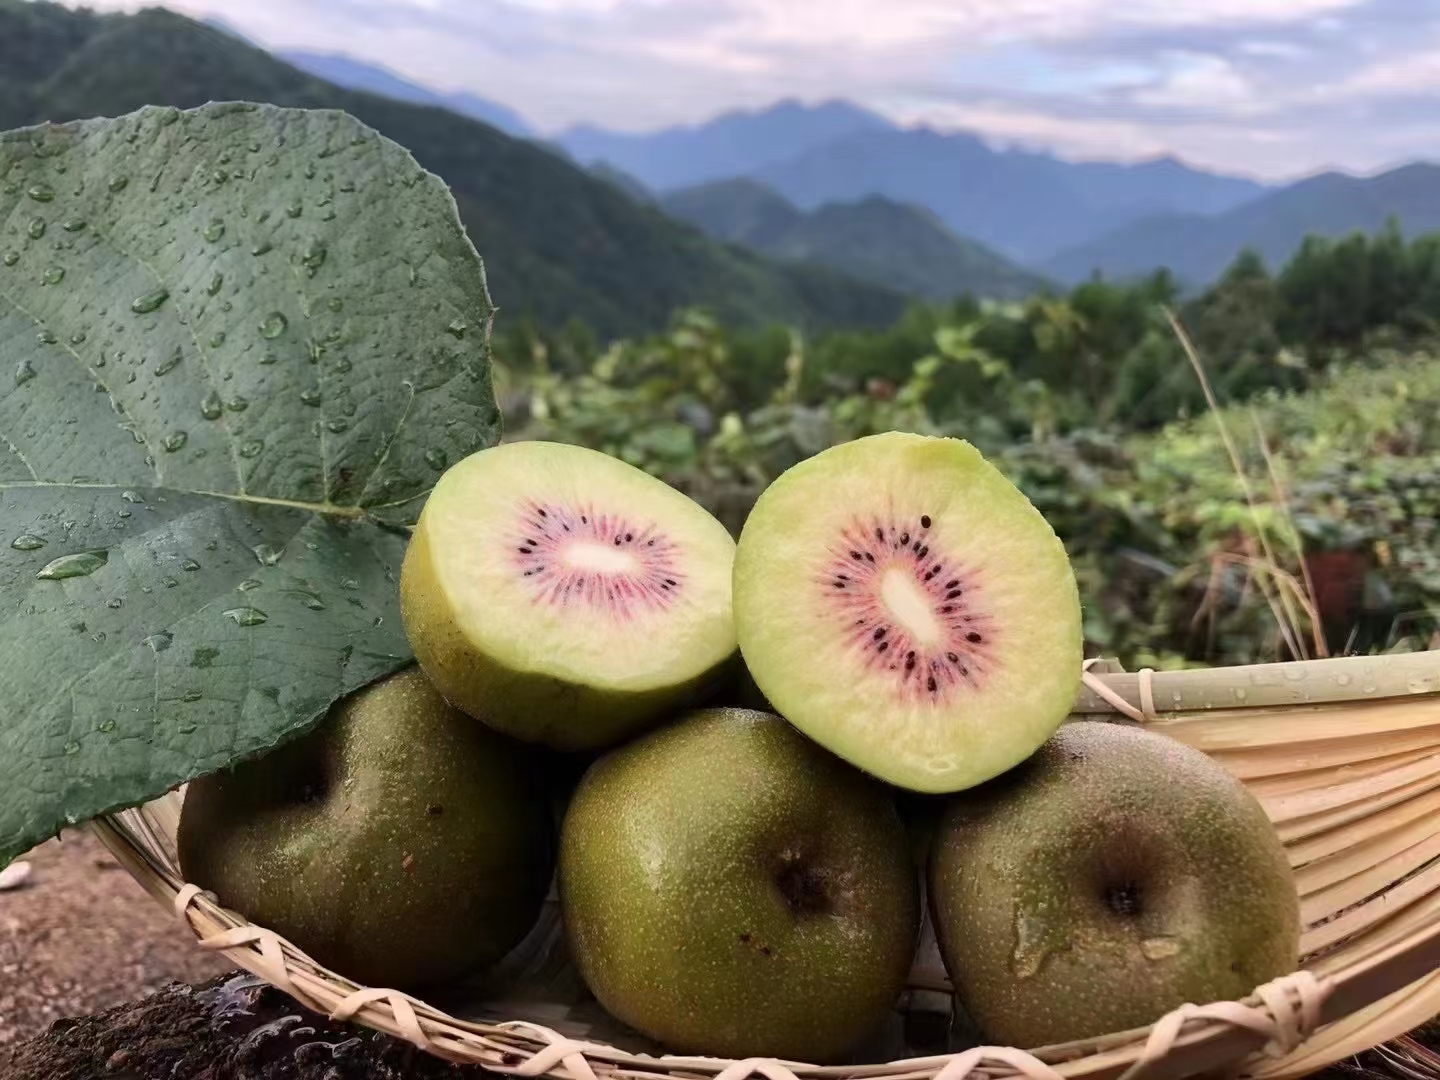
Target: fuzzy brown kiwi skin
(526, 705)
(1036, 854)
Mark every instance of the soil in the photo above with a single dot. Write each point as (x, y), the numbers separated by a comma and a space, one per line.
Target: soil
(82, 936)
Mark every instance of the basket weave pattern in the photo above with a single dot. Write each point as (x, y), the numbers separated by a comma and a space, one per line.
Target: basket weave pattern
(1343, 754)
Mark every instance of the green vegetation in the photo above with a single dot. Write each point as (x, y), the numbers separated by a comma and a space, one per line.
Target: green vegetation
(1088, 402)
(570, 245)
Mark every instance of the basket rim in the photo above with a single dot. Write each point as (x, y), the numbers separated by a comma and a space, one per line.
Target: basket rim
(1276, 1019)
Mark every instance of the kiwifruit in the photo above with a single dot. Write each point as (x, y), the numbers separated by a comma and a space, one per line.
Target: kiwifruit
(565, 597)
(401, 843)
(1114, 876)
(902, 603)
(730, 888)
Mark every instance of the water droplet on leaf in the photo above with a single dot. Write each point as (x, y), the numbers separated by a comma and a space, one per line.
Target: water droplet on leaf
(311, 397)
(118, 183)
(73, 224)
(273, 325)
(266, 554)
(175, 440)
(170, 363)
(159, 642)
(27, 542)
(80, 564)
(24, 372)
(36, 229)
(252, 448)
(436, 459)
(11, 258)
(144, 305)
(47, 337)
(41, 193)
(214, 231)
(189, 566)
(458, 328)
(53, 276)
(215, 284)
(246, 616)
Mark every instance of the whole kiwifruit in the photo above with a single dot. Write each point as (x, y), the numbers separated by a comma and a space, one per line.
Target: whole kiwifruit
(1114, 876)
(401, 843)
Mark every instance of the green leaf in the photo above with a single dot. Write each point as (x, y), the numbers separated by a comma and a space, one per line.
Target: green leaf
(237, 347)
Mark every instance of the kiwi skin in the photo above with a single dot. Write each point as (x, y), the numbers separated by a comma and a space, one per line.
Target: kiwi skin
(527, 705)
(400, 843)
(1111, 878)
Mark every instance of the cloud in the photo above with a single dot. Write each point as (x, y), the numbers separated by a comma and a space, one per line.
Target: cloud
(1273, 87)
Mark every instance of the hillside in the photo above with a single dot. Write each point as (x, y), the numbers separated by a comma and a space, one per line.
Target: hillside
(875, 239)
(1025, 204)
(351, 74)
(560, 243)
(1197, 248)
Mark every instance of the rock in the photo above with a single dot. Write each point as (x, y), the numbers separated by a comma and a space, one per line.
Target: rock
(14, 876)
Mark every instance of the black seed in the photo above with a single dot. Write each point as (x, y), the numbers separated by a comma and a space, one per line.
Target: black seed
(649, 543)
(629, 537)
(584, 520)
(924, 550)
(910, 661)
(880, 535)
(541, 512)
(843, 577)
(930, 684)
(669, 581)
(529, 572)
(524, 551)
(665, 587)
(839, 584)
(952, 594)
(947, 609)
(930, 573)
(869, 556)
(925, 521)
(879, 632)
(953, 584)
(917, 547)
(973, 638)
(617, 541)
(856, 555)
(904, 539)
(952, 658)
(882, 646)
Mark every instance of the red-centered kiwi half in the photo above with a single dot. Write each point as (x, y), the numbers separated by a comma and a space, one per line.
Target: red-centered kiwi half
(903, 604)
(565, 597)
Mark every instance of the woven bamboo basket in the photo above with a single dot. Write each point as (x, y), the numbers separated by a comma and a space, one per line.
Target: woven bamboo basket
(1344, 754)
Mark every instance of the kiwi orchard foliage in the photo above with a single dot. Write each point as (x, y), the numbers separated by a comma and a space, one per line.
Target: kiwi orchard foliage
(239, 346)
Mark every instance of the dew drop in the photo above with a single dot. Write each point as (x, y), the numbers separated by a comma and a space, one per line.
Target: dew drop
(151, 301)
(73, 224)
(311, 397)
(41, 192)
(24, 372)
(190, 566)
(170, 363)
(458, 328)
(11, 258)
(252, 448)
(47, 337)
(36, 229)
(80, 564)
(78, 338)
(27, 542)
(119, 183)
(246, 616)
(313, 257)
(248, 584)
(266, 554)
(105, 726)
(53, 276)
(159, 642)
(174, 441)
(114, 602)
(210, 407)
(1159, 948)
(214, 231)
(337, 425)
(237, 404)
(264, 247)
(273, 325)
(294, 210)
(217, 339)
(131, 496)
(72, 747)
(436, 459)
(215, 284)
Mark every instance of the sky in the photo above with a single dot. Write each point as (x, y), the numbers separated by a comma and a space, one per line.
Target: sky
(1270, 88)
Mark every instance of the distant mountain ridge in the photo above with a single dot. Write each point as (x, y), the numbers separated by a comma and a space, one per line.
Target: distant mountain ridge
(1197, 248)
(1025, 204)
(876, 239)
(560, 244)
(352, 74)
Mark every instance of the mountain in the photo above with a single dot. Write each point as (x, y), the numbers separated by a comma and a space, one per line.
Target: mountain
(892, 244)
(1025, 204)
(1197, 248)
(736, 143)
(560, 244)
(621, 179)
(354, 74)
